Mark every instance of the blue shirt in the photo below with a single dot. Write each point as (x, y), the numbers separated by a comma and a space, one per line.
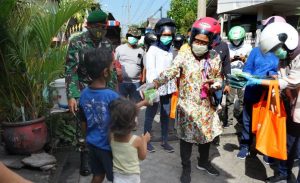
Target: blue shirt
(95, 106)
(259, 64)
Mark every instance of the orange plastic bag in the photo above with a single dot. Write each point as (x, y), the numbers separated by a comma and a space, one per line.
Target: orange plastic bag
(258, 111)
(271, 131)
(174, 100)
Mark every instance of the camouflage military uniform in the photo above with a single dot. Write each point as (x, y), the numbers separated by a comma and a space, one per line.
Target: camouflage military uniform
(76, 74)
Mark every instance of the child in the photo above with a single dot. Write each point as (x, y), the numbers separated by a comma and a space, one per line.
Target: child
(94, 103)
(127, 149)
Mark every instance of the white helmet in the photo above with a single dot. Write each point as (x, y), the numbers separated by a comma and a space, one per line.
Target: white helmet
(278, 33)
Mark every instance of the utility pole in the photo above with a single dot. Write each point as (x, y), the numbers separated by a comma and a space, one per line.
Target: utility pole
(201, 12)
(128, 9)
(160, 11)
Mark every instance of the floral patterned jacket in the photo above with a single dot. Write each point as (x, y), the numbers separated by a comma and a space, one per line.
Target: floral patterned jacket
(197, 121)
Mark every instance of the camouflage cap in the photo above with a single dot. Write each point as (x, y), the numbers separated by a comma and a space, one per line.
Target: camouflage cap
(97, 16)
(134, 31)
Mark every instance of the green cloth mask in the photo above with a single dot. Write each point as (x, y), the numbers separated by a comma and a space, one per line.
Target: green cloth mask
(281, 53)
(132, 40)
(166, 39)
(97, 33)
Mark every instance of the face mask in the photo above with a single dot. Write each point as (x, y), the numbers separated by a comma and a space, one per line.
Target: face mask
(166, 39)
(97, 32)
(188, 39)
(132, 40)
(199, 50)
(281, 53)
(236, 42)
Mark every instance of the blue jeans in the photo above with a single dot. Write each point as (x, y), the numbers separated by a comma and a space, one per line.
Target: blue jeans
(293, 150)
(129, 90)
(218, 96)
(251, 96)
(247, 136)
(164, 116)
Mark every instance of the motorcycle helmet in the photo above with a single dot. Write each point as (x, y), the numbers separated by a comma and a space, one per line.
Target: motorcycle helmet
(149, 39)
(278, 33)
(165, 24)
(207, 26)
(178, 41)
(236, 35)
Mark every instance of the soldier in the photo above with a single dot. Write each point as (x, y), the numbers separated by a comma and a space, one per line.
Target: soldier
(76, 75)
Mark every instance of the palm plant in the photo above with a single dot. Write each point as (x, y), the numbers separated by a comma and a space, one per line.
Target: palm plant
(28, 63)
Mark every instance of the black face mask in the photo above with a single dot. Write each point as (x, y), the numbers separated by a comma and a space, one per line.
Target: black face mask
(97, 32)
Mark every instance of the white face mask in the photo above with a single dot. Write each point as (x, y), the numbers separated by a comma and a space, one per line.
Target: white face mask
(199, 50)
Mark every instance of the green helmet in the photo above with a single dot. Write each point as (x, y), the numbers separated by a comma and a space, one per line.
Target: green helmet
(236, 33)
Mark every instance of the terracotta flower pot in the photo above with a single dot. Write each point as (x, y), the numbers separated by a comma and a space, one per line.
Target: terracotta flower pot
(25, 137)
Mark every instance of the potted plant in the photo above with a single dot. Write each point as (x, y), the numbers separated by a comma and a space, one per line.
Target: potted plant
(28, 63)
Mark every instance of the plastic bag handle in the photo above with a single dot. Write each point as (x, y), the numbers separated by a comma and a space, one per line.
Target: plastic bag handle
(274, 85)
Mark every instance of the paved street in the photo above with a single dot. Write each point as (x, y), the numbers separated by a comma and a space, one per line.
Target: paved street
(163, 167)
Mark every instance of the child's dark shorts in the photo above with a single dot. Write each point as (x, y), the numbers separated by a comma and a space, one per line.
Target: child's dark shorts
(101, 162)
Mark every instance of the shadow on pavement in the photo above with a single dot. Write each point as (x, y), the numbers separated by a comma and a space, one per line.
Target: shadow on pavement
(230, 147)
(255, 169)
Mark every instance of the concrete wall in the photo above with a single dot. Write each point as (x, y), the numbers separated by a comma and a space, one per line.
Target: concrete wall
(229, 5)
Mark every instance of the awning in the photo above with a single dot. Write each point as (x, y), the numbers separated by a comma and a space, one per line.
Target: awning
(280, 7)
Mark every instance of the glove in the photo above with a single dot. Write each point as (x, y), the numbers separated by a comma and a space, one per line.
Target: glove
(253, 82)
(244, 75)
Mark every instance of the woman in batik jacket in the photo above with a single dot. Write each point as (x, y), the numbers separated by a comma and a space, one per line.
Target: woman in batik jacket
(199, 71)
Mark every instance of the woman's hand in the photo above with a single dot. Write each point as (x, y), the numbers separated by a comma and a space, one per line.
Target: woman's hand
(146, 137)
(144, 87)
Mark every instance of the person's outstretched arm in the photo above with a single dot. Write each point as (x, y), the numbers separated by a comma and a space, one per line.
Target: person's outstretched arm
(8, 176)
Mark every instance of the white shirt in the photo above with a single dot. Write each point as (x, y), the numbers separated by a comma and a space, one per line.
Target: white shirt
(159, 60)
(243, 50)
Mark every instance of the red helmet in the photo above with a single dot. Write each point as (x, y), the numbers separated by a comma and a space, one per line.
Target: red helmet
(207, 26)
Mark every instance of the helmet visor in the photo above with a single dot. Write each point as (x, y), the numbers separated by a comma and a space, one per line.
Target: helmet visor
(166, 29)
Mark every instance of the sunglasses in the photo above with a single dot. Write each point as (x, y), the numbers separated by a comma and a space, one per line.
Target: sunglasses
(200, 42)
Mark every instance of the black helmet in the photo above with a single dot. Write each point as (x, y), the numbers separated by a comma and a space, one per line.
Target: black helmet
(149, 39)
(178, 41)
(163, 24)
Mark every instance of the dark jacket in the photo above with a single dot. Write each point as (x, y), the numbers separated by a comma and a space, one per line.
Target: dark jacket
(223, 50)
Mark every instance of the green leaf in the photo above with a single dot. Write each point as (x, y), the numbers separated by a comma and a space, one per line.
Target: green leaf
(28, 63)
(184, 13)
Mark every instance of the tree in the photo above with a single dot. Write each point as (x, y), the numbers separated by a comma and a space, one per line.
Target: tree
(184, 13)
(28, 61)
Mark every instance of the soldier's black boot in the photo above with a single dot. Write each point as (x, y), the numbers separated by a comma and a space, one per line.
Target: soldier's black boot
(84, 163)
